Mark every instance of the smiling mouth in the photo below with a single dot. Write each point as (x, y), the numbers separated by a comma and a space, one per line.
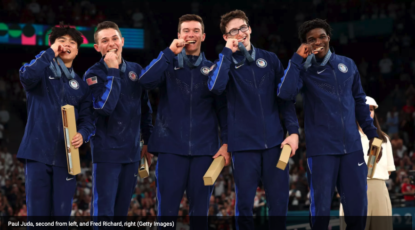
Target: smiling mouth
(319, 49)
(113, 50)
(191, 42)
(68, 51)
(242, 39)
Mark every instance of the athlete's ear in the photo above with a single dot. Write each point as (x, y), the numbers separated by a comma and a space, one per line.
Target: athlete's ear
(96, 47)
(225, 37)
(203, 37)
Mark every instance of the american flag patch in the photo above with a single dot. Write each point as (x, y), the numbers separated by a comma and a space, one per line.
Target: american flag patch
(92, 80)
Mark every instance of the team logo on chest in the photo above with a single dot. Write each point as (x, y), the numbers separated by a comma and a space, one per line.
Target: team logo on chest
(261, 63)
(74, 84)
(205, 70)
(133, 76)
(342, 68)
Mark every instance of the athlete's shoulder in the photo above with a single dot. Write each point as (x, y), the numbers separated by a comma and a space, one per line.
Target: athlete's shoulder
(98, 69)
(342, 59)
(133, 66)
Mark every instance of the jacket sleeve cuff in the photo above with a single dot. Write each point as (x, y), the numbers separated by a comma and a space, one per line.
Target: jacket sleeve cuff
(292, 130)
(297, 59)
(84, 135)
(227, 52)
(169, 54)
(371, 134)
(145, 139)
(50, 54)
(113, 72)
(224, 139)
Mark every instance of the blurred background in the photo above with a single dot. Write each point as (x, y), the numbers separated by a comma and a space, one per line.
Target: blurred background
(377, 35)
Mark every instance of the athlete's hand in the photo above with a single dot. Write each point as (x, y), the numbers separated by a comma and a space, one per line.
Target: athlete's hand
(177, 46)
(223, 151)
(370, 147)
(305, 49)
(111, 59)
(146, 154)
(58, 48)
(292, 141)
(232, 44)
(77, 140)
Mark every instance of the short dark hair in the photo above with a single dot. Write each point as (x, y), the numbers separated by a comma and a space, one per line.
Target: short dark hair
(62, 30)
(190, 17)
(310, 25)
(106, 25)
(226, 18)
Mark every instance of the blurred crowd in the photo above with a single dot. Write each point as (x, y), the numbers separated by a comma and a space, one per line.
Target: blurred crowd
(387, 74)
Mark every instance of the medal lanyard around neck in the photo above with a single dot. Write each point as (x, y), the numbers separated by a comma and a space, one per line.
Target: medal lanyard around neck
(54, 66)
(182, 57)
(250, 58)
(311, 60)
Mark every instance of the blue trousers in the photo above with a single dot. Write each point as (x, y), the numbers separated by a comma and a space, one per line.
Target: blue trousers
(348, 172)
(176, 174)
(251, 167)
(113, 187)
(49, 191)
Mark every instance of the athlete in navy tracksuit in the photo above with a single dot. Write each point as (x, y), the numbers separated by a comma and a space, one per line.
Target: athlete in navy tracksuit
(333, 101)
(186, 128)
(117, 101)
(255, 132)
(48, 86)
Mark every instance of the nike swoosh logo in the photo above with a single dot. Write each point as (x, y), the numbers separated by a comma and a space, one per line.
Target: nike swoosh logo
(360, 164)
(68, 179)
(51, 78)
(237, 67)
(319, 72)
(176, 68)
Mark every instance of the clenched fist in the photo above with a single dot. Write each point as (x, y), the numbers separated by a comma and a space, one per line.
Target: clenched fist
(57, 48)
(177, 46)
(111, 59)
(305, 49)
(232, 44)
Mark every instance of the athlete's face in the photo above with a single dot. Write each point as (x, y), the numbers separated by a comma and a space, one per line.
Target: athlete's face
(70, 45)
(192, 31)
(239, 25)
(372, 111)
(318, 38)
(109, 39)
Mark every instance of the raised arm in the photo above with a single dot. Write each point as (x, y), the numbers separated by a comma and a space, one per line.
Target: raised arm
(32, 73)
(219, 74)
(291, 82)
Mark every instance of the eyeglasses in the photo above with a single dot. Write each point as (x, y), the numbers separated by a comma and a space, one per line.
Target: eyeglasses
(234, 32)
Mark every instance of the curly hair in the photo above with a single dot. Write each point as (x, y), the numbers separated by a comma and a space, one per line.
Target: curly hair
(62, 30)
(310, 25)
(226, 18)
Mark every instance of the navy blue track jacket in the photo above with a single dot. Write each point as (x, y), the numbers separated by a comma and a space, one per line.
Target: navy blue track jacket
(43, 140)
(253, 106)
(121, 109)
(188, 114)
(333, 101)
